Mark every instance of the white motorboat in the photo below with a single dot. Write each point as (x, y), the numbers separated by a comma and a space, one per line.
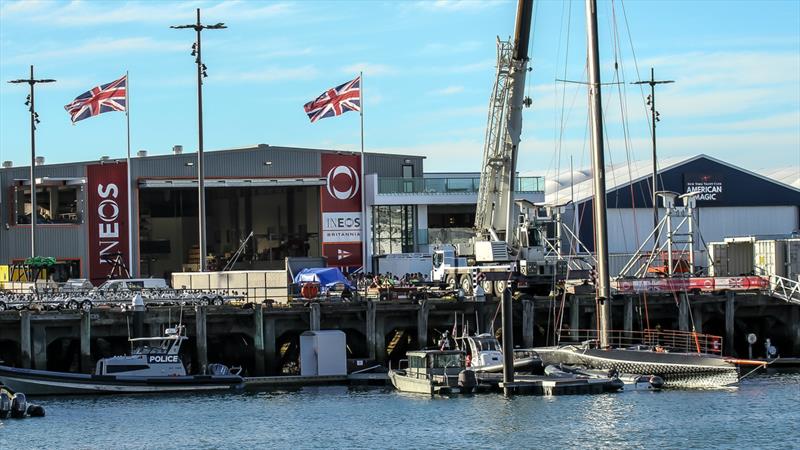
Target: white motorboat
(154, 366)
(434, 372)
(485, 355)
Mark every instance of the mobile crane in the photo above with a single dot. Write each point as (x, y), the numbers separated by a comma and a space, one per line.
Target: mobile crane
(506, 247)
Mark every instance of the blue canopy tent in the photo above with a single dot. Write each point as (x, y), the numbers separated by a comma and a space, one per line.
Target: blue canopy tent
(325, 276)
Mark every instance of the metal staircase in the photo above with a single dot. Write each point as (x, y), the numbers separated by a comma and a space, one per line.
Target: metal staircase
(784, 289)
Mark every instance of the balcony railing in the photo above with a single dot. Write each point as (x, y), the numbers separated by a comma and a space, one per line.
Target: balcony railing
(449, 185)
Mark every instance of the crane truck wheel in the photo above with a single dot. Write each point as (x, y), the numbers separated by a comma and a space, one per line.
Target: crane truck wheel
(499, 287)
(466, 284)
(451, 282)
(488, 287)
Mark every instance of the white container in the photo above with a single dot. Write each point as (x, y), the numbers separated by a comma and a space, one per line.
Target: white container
(730, 258)
(793, 259)
(323, 353)
(769, 257)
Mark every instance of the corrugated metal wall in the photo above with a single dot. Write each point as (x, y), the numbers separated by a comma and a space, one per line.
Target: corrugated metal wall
(60, 241)
(68, 241)
(391, 165)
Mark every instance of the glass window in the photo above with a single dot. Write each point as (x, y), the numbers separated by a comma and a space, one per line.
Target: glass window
(55, 204)
(393, 229)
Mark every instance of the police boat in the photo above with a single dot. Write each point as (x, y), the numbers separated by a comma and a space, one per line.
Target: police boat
(154, 366)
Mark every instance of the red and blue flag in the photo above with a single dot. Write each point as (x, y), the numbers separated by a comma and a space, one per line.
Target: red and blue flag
(105, 98)
(335, 101)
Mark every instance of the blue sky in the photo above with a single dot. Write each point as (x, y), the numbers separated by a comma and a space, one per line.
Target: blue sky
(428, 72)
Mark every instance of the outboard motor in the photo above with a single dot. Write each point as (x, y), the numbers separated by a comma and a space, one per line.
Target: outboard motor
(218, 369)
(19, 406)
(467, 380)
(656, 382)
(35, 410)
(5, 404)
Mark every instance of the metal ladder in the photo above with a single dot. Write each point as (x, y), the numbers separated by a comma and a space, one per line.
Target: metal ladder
(784, 288)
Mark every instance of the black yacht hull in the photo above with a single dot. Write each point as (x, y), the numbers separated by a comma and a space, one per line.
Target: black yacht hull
(686, 370)
(42, 382)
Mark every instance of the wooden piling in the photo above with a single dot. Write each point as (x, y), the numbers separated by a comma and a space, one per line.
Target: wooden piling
(86, 342)
(528, 315)
(422, 324)
(258, 338)
(201, 338)
(25, 338)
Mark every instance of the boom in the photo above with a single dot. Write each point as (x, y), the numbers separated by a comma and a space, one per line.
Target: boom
(494, 216)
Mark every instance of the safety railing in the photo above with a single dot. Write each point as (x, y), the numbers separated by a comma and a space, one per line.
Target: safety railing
(455, 185)
(653, 339)
(784, 289)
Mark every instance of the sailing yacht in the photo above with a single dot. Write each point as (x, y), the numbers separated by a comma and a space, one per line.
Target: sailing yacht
(682, 359)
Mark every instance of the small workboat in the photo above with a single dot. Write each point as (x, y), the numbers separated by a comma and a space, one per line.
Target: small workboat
(486, 355)
(631, 381)
(154, 366)
(433, 372)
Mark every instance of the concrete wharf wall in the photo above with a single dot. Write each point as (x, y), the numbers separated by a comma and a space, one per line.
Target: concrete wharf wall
(264, 339)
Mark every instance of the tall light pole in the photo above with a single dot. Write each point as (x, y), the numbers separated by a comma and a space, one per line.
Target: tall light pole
(651, 102)
(201, 73)
(34, 120)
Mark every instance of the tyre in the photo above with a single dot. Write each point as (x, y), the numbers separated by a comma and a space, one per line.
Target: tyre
(465, 283)
(2, 306)
(500, 287)
(204, 301)
(451, 282)
(73, 304)
(86, 305)
(488, 287)
(218, 301)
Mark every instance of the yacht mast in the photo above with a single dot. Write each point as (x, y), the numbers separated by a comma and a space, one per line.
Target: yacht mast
(599, 172)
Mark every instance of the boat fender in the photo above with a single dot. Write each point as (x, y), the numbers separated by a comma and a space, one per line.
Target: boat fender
(5, 404)
(656, 381)
(467, 379)
(19, 406)
(35, 410)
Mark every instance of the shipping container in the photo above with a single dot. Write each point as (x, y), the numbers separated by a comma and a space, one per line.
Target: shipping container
(730, 258)
(793, 259)
(769, 257)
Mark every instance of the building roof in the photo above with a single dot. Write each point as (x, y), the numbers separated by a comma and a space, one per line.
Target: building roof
(559, 189)
(789, 176)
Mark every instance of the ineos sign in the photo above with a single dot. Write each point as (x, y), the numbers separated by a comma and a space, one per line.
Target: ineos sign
(107, 211)
(346, 190)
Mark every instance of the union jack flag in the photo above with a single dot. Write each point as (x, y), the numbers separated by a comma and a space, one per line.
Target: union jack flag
(99, 99)
(336, 101)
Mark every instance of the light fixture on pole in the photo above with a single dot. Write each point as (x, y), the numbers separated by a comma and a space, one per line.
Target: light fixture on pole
(201, 73)
(31, 104)
(651, 102)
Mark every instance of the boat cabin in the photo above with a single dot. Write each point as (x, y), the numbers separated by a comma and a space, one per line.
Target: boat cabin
(150, 356)
(423, 363)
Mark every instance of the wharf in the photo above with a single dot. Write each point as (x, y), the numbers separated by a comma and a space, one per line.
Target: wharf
(315, 380)
(546, 385)
(264, 340)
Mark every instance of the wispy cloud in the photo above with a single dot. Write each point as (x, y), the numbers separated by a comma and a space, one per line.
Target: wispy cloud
(449, 6)
(370, 69)
(85, 13)
(449, 90)
(99, 46)
(268, 75)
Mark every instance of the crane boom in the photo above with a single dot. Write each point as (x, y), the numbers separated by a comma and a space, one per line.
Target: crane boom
(494, 216)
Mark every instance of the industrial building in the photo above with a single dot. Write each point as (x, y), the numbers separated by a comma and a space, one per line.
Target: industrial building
(732, 201)
(307, 202)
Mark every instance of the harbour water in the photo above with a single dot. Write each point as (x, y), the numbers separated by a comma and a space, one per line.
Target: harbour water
(763, 412)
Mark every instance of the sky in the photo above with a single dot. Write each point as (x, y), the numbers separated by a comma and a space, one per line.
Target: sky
(428, 73)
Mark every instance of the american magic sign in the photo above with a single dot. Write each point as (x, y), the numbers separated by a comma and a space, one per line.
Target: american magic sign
(710, 187)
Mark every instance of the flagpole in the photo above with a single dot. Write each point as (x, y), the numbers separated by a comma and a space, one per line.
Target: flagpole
(363, 181)
(128, 160)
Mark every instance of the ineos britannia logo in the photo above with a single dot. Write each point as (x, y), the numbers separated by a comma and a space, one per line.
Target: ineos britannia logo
(342, 182)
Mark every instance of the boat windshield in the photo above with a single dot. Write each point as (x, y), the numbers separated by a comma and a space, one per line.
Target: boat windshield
(487, 345)
(448, 360)
(146, 349)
